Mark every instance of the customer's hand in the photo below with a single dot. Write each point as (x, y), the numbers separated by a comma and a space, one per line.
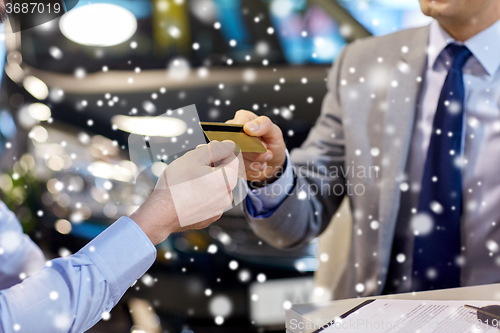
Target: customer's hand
(191, 193)
(263, 168)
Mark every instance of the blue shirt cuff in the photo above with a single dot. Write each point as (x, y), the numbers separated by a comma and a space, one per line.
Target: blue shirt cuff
(264, 201)
(122, 253)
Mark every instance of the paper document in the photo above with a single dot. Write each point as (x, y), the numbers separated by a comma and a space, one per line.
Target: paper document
(415, 316)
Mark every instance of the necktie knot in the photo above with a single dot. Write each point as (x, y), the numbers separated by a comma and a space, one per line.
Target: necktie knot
(459, 54)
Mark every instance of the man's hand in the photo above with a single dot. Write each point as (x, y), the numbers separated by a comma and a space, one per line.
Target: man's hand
(191, 193)
(263, 168)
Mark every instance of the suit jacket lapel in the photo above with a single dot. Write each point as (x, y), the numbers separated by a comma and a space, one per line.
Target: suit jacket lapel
(403, 96)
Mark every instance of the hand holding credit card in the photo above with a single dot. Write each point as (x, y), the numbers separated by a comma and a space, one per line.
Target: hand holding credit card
(262, 167)
(235, 133)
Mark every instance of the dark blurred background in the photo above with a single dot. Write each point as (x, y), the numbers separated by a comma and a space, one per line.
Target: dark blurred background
(73, 88)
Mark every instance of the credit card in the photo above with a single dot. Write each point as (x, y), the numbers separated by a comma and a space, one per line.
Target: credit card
(235, 133)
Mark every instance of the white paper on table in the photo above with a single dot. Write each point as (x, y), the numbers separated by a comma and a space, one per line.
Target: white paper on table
(414, 316)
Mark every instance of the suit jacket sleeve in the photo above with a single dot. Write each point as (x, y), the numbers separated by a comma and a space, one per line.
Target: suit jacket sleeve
(319, 179)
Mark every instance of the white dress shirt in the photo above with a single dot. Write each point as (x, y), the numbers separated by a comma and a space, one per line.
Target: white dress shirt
(68, 294)
(480, 230)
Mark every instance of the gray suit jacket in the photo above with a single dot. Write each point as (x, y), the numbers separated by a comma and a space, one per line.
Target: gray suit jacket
(358, 147)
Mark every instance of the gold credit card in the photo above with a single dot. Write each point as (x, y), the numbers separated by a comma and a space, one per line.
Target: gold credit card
(235, 133)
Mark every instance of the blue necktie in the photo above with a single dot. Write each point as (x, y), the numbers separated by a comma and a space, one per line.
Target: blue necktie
(437, 239)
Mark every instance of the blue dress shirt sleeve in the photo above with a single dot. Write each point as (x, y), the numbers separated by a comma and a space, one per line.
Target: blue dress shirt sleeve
(263, 202)
(19, 256)
(71, 294)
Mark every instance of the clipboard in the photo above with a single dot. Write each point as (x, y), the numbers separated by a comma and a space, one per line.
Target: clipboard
(344, 315)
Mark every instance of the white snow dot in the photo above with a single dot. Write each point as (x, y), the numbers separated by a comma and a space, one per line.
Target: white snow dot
(232, 43)
(324, 257)
(261, 277)
(233, 265)
(106, 315)
(400, 258)
(492, 246)
(404, 187)
(80, 73)
(436, 207)
(196, 46)
(16, 327)
(133, 44)
(375, 151)
(374, 225)
(147, 280)
(244, 275)
(421, 224)
(431, 273)
(54, 295)
(219, 320)
(287, 305)
(302, 195)
(394, 83)
(310, 100)
(208, 292)
(255, 297)
(212, 248)
(404, 49)
(270, 30)
(360, 287)
(304, 81)
(217, 25)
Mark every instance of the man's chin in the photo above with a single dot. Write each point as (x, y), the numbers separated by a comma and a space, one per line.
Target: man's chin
(435, 8)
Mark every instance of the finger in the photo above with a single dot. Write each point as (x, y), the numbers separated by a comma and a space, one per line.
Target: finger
(215, 151)
(201, 146)
(265, 128)
(242, 117)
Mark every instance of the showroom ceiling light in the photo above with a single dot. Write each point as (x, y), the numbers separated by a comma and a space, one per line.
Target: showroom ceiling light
(106, 170)
(150, 126)
(36, 87)
(98, 24)
(39, 111)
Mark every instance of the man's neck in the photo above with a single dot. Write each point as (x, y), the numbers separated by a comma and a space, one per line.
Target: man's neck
(463, 30)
